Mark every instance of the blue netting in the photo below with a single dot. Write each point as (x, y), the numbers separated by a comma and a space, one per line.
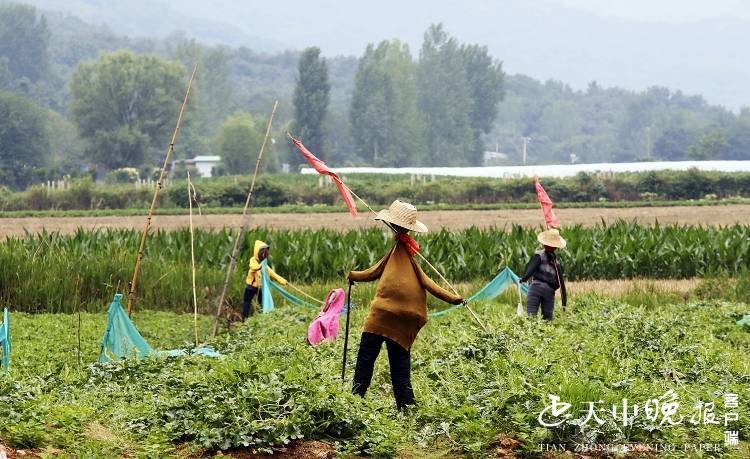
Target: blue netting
(122, 339)
(501, 282)
(745, 321)
(267, 299)
(5, 340)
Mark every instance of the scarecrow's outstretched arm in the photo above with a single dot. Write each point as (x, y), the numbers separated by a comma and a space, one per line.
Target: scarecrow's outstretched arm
(370, 274)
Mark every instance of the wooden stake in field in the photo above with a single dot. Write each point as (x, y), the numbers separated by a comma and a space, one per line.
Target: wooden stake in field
(243, 227)
(132, 286)
(191, 195)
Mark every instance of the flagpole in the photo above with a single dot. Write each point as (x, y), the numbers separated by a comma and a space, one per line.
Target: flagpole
(546, 226)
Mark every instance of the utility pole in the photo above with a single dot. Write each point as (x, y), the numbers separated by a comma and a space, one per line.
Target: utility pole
(525, 142)
(648, 142)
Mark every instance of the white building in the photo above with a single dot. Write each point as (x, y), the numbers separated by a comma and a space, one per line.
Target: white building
(204, 164)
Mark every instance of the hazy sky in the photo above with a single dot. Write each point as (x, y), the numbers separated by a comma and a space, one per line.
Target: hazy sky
(674, 11)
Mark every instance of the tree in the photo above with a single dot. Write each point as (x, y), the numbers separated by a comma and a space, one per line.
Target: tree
(238, 143)
(24, 39)
(739, 137)
(444, 98)
(24, 145)
(386, 125)
(212, 94)
(124, 104)
(710, 146)
(310, 100)
(485, 78)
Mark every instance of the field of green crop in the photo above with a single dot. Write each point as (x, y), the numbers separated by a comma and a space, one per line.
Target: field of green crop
(50, 272)
(473, 388)
(480, 393)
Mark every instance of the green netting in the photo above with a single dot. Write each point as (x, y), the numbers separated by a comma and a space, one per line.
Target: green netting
(122, 339)
(267, 299)
(5, 340)
(506, 278)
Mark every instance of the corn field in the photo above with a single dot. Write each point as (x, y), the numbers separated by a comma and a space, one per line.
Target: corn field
(49, 272)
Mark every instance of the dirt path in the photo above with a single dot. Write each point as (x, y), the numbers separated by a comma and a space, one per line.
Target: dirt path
(452, 219)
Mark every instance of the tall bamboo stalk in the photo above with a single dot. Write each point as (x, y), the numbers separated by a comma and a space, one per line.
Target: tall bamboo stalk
(132, 286)
(191, 193)
(243, 227)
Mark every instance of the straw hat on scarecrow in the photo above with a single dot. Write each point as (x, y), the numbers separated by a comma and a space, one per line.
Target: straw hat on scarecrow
(402, 214)
(551, 238)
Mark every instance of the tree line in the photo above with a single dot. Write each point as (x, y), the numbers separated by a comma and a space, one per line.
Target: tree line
(80, 100)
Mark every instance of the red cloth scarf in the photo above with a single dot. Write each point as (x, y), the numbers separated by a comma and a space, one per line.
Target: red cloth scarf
(412, 246)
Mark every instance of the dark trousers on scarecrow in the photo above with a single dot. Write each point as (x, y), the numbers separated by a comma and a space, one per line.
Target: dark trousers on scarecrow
(250, 293)
(399, 360)
(540, 294)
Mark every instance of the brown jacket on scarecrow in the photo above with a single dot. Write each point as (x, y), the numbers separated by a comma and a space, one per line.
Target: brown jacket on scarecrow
(399, 309)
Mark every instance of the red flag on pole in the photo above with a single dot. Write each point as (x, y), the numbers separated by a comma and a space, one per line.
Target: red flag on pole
(550, 219)
(323, 169)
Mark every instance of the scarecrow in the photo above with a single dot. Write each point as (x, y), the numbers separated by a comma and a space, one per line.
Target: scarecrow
(254, 278)
(399, 309)
(546, 276)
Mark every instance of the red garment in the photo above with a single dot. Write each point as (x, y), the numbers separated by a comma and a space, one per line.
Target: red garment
(323, 169)
(550, 219)
(412, 246)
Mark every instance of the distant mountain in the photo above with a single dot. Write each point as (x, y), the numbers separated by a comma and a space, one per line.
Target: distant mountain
(541, 39)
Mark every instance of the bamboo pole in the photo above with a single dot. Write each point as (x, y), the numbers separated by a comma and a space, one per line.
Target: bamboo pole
(132, 286)
(191, 193)
(241, 230)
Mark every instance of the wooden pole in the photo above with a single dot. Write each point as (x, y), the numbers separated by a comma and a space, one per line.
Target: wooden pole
(191, 193)
(346, 335)
(243, 226)
(170, 150)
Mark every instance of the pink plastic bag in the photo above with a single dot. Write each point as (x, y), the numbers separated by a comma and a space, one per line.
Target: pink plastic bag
(325, 327)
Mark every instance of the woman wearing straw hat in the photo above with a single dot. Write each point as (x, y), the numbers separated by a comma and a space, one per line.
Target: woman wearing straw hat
(399, 309)
(546, 274)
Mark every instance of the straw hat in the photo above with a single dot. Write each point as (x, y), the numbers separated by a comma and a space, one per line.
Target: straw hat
(402, 214)
(551, 238)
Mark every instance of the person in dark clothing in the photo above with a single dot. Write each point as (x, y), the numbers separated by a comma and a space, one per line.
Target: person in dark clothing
(546, 274)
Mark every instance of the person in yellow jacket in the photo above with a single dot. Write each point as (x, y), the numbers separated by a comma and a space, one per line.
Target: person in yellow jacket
(254, 280)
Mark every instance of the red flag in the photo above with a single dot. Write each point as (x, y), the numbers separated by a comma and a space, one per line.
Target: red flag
(550, 219)
(321, 167)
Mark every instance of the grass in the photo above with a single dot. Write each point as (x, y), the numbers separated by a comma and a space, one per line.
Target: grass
(323, 208)
(271, 388)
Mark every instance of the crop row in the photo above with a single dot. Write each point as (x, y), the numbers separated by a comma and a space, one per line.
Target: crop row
(52, 272)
